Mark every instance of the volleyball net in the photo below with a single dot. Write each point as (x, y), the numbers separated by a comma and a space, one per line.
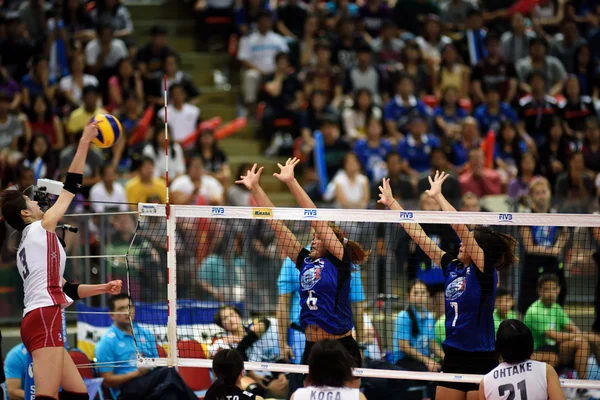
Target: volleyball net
(203, 278)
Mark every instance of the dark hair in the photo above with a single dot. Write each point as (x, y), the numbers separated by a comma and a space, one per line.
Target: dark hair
(219, 320)
(102, 169)
(264, 14)
(536, 169)
(322, 45)
(176, 86)
(31, 109)
(329, 364)
(159, 136)
(414, 323)
(589, 68)
(227, 364)
(501, 292)
(514, 341)
(158, 30)
(491, 37)
(357, 94)
(499, 247)
(281, 55)
(87, 89)
(538, 40)
(410, 44)
(145, 159)
(112, 300)
(194, 157)
(131, 79)
(103, 24)
(514, 144)
(547, 277)
(5, 96)
(474, 12)
(443, 96)
(46, 157)
(403, 77)
(13, 202)
(356, 254)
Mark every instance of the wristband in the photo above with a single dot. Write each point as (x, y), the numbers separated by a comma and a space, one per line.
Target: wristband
(73, 182)
(70, 290)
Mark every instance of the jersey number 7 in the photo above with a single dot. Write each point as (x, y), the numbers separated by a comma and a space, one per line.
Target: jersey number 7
(23, 260)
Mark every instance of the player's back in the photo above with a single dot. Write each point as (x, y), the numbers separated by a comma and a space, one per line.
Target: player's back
(41, 263)
(522, 381)
(326, 393)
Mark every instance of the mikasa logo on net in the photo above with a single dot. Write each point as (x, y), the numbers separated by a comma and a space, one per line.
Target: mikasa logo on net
(262, 213)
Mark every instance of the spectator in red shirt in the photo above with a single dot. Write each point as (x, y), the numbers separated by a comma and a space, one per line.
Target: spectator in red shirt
(478, 179)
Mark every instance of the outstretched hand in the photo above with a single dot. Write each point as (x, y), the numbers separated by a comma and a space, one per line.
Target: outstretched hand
(386, 197)
(287, 171)
(436, 183)
(90, 131)
(252, 177)
(114, 287)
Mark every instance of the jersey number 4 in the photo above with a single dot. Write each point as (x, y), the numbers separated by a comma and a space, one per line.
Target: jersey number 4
(510, 389)
(311, 301)
(23, 261)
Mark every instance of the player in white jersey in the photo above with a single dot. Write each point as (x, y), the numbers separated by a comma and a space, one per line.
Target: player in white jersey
(518, 377)
(329, 374)
(41, 263)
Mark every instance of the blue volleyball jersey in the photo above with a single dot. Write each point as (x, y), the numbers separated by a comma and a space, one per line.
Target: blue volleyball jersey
(544, 235)
(325, 293)
(469, 304)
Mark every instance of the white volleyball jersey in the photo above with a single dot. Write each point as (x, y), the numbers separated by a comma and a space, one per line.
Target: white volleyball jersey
(41, 263)
(524, 381)
(326, 393)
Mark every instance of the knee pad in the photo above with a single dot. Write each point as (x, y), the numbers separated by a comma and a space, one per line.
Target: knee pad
(256, 389)
(73, 396)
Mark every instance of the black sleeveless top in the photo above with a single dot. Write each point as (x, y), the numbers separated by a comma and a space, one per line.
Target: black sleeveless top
(218, 392)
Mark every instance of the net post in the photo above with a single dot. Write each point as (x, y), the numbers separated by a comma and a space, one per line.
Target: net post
(171, 290)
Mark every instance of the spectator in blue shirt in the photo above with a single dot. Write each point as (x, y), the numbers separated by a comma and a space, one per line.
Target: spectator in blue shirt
(508, 150)
(490, 114)
(416, 147)
(448, 115)
(457, 150)
(116, 355)
(373, 150)
(399, 110)
(38, 81)
(18, 368)
(414, 340)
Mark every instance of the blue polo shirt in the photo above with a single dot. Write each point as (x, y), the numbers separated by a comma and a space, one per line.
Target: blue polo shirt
(400, 112)
(487, 121)
(456, 119)
(403, 331)
(18, 364)
(417, 155)
(373, 158)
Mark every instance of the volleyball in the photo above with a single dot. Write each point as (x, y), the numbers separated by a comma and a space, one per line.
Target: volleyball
(109, 130)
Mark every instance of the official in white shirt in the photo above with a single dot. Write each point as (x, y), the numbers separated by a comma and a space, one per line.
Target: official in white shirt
(108, 194)
(183, 117)
(518, 377)
(257, 53)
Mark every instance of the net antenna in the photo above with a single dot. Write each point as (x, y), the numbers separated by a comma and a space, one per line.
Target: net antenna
(171, 257)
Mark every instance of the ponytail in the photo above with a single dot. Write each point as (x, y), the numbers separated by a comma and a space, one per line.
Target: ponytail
(12, 202)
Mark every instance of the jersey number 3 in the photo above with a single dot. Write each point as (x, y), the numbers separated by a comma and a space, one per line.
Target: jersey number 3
(311, 301)
(23, 260)
(510, 389)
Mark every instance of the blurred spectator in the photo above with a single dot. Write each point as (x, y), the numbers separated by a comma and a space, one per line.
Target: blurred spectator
(174, 76)
(155, 150)
(108, 195)
(238, 195)
(454, 13)
(79, 117)
(43, 121)
(308, 41)
(575, 187)
(144, 184)
(291, 17)
(549, 67)
(480, 180)
(555, 152)
(373, 14)
(183, 117)
(470, 46)
(37, 81)
(151, 57)
(335, 148)
(414, 66)
(103, 53)
(585, 70)
(387, 47)
(12, 130)
(364, 75)
(400, 183)
(439, 162)
(536, 111)
(451, 72)
(336, 11)
(515, 42)
(257, 53)
(457, 149)
(591, 146)
(402, 107)
(17, 49)
(71, 86)
(323, 76)
(315, 113)
(34, 15)
(93, 162)
(546, 16)
(348, 41)
(126, 78)
(493, 70)
(196, 187)
(416, 148)
(373, 150)
(40, 158)
(351, 186)
(432, 41)
(356, 118)
(213, 158)
(527, 172)
(10, 87)
(24, 178)
(564, 45)
(205, 9)
(575, 109)
(221, 273)
(247, 14)
(508, 150)
(496, 13)
(410, 15)
(503, 307)
(470, 202)
(493, 112)
(78, 22)
(115, 12)
(16, 368)
(130, 116)
(448, 115)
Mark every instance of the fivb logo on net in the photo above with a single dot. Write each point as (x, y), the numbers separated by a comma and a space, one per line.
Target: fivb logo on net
(505, 218)
(406, 216)
(217, 211)
(310, 213)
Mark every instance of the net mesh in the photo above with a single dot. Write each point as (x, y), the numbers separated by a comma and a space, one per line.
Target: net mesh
(236, 288)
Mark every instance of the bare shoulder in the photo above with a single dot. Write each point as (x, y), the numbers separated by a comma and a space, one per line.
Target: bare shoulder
(361, 396)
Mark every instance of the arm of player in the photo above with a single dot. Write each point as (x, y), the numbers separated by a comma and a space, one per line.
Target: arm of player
(58, 210)
(83, 291)
(114, 381)
(14, 388)
(322, 228)
(358, 315)
(555, 392)
(413, 353)
(290, 245)
(283, 323)
(466, 236)
(415, 231)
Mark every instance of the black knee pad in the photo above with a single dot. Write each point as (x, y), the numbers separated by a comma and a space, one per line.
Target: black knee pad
(73, 396)
(256, 389)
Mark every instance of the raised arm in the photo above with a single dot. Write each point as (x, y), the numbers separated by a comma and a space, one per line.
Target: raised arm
(291, 245)
(72, 182)
(322, 228)
(81, 291)
(415, 231)
(466, 236)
